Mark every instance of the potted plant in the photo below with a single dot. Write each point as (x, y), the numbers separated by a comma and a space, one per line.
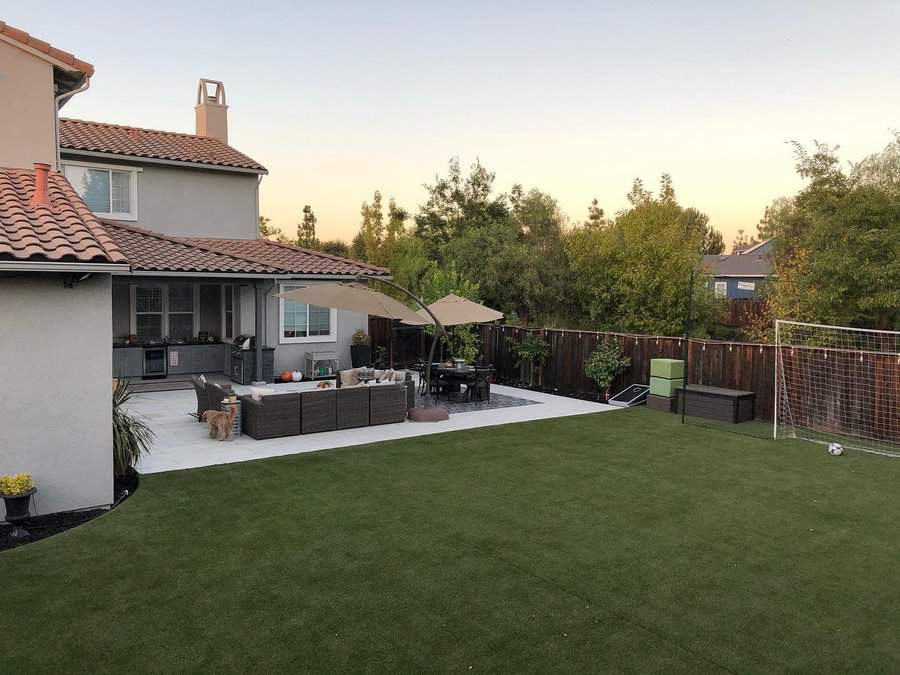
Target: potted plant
(605, 362)
(132, 437)
(16, 490)
(360, 349)
(530, 353)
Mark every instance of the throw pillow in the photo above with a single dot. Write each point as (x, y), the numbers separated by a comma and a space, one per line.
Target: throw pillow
(349, 378)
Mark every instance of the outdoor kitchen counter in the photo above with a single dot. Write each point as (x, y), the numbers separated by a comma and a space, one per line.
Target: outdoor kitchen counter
(182, 359)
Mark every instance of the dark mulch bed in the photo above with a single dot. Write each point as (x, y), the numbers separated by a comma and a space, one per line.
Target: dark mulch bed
(570, 393)
(42, 527)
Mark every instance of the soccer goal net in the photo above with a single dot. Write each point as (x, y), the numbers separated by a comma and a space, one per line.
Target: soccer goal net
(838, 385)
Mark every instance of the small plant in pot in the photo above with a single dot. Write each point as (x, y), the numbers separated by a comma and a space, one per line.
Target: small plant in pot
(132, 438)
(360, 349)
(605, 362)
(16, 490)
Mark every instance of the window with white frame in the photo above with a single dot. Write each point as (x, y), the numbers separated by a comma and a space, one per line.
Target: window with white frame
(181, 311)
(107, 191)
(148, 312)
(721, 289)
(306, 323)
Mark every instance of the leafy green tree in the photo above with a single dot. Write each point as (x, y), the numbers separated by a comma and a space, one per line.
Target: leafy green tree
(334, 247)
(836, 249)
(742, 241)
(396, 227)
(408, 263)
(269, 231)
(306, 230)
(633, 273)
(358, 247)
(605, 363)
(439, 281)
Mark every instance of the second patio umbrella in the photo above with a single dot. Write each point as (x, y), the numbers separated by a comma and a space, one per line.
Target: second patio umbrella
(452, 310)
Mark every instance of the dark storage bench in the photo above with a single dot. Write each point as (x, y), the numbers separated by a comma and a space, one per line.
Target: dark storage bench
(716, 403)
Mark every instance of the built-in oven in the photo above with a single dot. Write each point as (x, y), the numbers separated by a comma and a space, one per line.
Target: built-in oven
(155, 362)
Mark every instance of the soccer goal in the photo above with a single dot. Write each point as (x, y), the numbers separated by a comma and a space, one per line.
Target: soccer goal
(838, 385)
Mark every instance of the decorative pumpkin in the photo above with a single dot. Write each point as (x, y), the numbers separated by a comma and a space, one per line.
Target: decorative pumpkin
(286, 376)
(296, 375)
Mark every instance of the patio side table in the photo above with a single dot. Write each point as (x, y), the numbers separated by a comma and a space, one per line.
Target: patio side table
(236, 425)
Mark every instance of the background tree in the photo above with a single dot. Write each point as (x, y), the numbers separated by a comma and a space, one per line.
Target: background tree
(269, 231)
(836, 249)
(306, 230)
(742, 241)
(633, 274)
(335, 247)
(372, 230)
(358, 247)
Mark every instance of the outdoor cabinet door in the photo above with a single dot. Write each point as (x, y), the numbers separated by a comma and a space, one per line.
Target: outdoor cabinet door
(134, 361)
(197, 364)
(118, 363)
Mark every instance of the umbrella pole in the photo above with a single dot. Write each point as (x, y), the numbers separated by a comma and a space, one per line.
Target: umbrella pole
(438, 329)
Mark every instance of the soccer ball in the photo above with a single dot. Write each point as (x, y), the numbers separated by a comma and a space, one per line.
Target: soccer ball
(835, 449)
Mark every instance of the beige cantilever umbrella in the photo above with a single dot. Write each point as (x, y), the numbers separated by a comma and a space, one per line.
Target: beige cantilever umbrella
(354, 297)
(452, 310)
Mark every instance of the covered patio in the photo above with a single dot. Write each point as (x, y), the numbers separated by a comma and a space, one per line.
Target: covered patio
(183, 443)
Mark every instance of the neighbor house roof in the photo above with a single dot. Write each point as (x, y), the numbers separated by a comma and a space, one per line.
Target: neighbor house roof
(169, 146)
(64, 230)
(46, 49)
(149, 251)
(738, 265)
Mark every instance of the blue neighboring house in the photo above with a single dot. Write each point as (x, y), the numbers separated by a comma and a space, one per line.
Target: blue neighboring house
(740, 276)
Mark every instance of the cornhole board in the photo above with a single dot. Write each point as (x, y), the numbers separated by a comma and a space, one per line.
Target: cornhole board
(636, 394)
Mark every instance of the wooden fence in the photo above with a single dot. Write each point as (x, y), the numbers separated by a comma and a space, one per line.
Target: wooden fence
(724, 364)
(742, 313)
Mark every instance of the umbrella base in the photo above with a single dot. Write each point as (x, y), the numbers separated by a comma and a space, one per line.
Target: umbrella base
(433, 414)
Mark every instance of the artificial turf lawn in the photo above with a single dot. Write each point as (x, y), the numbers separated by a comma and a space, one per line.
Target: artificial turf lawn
(614, 541)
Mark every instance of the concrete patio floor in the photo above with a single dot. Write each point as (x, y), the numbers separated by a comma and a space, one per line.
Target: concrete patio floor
(183, 443)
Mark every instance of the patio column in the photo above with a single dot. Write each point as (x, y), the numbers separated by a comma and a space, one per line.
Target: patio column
(262, 290)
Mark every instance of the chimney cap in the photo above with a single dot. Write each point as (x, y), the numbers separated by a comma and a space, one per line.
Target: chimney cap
(210, 92)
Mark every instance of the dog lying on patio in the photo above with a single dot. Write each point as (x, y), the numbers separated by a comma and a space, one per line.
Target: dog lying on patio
(220, 423)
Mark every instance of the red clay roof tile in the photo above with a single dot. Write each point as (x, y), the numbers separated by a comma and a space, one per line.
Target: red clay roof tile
(46, 48)
(135, 142)
(154, 252)
(64, 230)
(291, 259)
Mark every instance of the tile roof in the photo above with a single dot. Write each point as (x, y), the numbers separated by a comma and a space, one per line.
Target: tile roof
(46, 48)
(116, 139)
(292, 259)
(149, 251)
(739, 265)
(154, 252)
(63, 231)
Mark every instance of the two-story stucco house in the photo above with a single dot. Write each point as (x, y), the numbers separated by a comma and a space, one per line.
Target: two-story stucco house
(135, 253)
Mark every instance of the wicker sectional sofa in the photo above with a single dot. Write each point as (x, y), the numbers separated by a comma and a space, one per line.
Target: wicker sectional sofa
(309, 412)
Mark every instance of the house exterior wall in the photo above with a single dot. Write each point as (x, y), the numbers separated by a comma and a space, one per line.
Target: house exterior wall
(292, 356)
(26, 114)
(732, 291)
(190, 202)
(56, 418)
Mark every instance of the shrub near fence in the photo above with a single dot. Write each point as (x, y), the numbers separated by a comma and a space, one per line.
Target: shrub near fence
(734, 365)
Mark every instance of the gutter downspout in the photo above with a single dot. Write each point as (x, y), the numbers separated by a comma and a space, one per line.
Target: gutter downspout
(57, 104)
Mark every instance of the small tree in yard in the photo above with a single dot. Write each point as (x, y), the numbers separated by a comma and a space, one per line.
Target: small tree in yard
(604, 363)
(532, 351)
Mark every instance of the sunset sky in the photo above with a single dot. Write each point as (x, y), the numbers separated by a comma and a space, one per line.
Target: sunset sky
(340, 99)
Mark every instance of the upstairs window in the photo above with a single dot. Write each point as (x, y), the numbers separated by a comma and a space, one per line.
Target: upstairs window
(107, 191)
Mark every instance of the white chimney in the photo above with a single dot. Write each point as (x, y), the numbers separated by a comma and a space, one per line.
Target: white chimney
(212, 113)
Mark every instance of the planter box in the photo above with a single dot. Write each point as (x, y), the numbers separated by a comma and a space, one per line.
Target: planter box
(661, 403)
(669, 369)
(660, 386)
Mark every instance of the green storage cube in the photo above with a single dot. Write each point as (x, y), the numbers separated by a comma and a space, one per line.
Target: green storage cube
(660, 386)
(670, 369)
